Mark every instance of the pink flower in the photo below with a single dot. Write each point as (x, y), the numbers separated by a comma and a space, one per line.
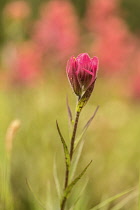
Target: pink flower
(26, 64)
(57, 31)
(97, 18)
(82, 72)
(115, 40)
(113, 43)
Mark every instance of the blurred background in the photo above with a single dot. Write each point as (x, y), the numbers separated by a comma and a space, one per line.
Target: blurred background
(37, 37)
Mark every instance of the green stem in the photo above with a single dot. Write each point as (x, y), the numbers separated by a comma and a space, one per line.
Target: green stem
(74, 134)
(66, 178)
(63, 203)
(72, 147)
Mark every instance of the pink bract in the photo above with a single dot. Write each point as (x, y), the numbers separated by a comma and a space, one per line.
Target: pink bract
(82, 72)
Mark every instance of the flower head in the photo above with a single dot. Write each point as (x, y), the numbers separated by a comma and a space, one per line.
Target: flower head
(82, 73)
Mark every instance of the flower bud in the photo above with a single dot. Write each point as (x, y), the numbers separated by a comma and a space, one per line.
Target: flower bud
(82, 73)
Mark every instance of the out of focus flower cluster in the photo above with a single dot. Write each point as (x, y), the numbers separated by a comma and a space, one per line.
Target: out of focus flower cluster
(33, 46)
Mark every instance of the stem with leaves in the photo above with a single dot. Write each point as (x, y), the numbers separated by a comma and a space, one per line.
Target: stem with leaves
(71, 155)
(72, 147)
(69, 152)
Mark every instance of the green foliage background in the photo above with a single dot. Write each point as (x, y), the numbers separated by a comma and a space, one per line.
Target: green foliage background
(112, 141)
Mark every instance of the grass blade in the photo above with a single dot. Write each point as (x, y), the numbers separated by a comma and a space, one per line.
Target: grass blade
(49, 197)
(56, 180)
(122, 203)
(81, 192)
(109, 200)
(36, 198)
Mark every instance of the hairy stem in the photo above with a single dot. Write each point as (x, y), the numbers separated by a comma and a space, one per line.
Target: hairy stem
(74, 134)
(66, 178)
(63, 203)
(71, 148)
(71, 155)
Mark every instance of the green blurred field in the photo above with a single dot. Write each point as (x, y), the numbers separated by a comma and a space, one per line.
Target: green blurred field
(34, 88)
(112, 142)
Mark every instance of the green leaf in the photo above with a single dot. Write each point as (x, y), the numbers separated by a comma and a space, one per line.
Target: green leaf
(90, 120)
(36, 198)
(109, 200)
(79, 196)
(73, 183)
(125, 201)
(56, 180)
(66, 151)
(69, 111)
(76, 160)
(86, 127)
(49, 197)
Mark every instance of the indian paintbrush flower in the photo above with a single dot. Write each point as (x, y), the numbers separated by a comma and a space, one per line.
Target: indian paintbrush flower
(82, 74)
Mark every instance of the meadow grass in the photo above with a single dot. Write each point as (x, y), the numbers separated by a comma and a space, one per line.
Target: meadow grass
(111, 142)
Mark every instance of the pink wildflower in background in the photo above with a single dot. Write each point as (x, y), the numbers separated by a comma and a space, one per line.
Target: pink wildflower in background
(113, 43)
(57, 31)
(98, 12)
(26, 64)
(114, 46)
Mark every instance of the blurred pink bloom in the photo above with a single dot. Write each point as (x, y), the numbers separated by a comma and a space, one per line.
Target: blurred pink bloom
(17, 9)
(99, 11)
(113, 43)
(134, 80)
(82, 72)
(26, 65)
(57, 31)
(114, 47)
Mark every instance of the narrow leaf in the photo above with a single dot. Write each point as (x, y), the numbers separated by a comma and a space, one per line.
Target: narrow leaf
(49, 197)
(69, 111)
(90, 120)
(73, 183)
(56, 180)
(66, 151)
(76, 160)
(125, 201)
(80, 195)
(109, 200)
(39, 202)
(85, 128)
